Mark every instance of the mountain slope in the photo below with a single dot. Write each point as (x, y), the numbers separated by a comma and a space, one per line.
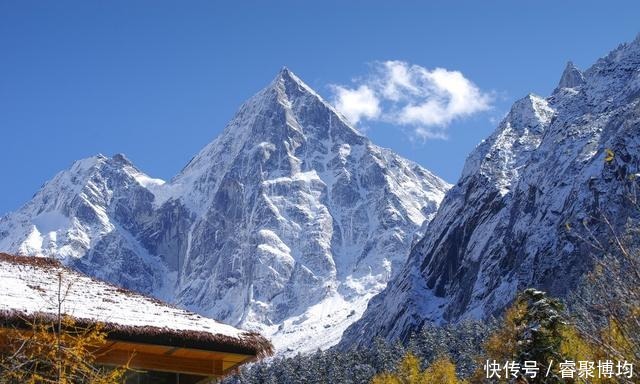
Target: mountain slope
(512, 220)
(287, 223)
(84, 217)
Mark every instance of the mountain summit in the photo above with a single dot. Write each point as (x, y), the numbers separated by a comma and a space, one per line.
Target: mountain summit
(571, 77)
(288, 222)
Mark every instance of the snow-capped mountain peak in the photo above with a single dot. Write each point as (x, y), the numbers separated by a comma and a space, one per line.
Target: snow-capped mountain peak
(287, 222)
(279, 119)
(499, 157)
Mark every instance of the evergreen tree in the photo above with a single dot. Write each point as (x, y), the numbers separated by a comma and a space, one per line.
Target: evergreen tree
(540, 330)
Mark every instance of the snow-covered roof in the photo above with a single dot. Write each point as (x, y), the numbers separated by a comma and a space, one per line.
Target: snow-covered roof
(29, 288)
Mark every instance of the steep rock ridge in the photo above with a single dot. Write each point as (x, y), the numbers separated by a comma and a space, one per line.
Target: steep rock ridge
(85, 216)
(503, 226)
(287, 223)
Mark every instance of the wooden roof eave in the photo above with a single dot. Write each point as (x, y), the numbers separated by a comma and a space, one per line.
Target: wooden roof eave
(148, 357)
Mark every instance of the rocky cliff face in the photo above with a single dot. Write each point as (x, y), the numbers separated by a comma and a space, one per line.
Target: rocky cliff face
(515, 217)
(288, 222)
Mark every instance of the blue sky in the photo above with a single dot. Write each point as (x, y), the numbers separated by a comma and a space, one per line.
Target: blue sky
(157, 80)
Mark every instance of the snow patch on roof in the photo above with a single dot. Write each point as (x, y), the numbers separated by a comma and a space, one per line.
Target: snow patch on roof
(32, 288)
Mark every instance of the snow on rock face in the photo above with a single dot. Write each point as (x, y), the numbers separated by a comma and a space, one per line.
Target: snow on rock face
(287, 223)
(507, 150)
(501, 228)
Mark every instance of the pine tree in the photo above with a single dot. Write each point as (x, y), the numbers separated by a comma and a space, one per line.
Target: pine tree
(539, 328)
(533, 330)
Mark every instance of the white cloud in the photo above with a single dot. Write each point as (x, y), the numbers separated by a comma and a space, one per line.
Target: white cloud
(355, 104)
(396, 80)
(426, 101)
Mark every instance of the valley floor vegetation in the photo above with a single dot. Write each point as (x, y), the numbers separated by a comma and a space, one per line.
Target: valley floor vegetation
(535, 328)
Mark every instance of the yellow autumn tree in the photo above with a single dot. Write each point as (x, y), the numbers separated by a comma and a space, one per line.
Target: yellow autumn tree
(503, 343)
(48, 352)
(441, 371)
(535, 328)
(575, 347)
(47, 349)
(506, 344)
(616, 275)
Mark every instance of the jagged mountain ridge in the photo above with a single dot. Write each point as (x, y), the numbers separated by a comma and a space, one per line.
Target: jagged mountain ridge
(507, 224)
(288, 222)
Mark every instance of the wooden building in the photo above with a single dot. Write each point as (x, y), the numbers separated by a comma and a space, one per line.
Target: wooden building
(162, 343)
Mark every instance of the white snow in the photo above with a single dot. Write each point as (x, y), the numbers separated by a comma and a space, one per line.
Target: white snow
(50, 221)
(30, 289)
(319, 327)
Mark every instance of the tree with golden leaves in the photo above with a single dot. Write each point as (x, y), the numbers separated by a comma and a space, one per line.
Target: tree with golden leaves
(608, 303)
(554, 340)
(54, 349)
(441, 371)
